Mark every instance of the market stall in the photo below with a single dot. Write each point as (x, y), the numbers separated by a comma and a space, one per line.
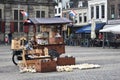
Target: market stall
(41, 51)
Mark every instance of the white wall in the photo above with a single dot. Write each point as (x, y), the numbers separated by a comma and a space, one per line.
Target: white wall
(81, 11)
(97, 3)
(57, 7)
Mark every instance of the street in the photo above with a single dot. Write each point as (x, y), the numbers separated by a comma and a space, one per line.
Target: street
(108, 59)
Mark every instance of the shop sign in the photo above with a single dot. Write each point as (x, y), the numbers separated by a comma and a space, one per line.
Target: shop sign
(114, 21)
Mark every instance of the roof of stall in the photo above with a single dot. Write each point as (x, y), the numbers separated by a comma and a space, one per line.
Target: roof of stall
(47, 21)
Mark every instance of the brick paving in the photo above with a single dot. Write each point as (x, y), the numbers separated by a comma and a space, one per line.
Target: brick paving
(108, 58)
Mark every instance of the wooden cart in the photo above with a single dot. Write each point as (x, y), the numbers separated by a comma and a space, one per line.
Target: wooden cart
(42, 53)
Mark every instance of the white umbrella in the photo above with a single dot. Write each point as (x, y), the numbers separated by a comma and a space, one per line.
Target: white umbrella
(93, 25)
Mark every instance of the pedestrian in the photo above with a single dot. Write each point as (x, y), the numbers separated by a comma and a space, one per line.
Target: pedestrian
(10, 37)
(6, 40)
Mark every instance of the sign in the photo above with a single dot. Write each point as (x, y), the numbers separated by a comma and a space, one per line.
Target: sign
(114, 21)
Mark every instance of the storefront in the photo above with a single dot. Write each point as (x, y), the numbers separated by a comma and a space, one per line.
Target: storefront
(111, 33)
(85, 32)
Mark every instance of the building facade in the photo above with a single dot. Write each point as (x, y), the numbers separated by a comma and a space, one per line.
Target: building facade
(113, 9)
(11, 19)
(80, 19)
(58, 9)
(97, 9)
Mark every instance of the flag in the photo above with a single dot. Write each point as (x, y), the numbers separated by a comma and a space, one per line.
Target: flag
(72, 13)
(24, 13)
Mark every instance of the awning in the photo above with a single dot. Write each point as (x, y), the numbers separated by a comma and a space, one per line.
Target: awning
(46, 21)
(87, 28)
(113, 29)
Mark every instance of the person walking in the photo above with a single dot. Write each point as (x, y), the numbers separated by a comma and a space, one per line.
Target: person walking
(6, 40)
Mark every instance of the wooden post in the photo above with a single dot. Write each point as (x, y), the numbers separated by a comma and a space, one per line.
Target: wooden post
(23, 57)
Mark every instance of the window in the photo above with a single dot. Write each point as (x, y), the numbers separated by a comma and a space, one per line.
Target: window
(97, 12)
(0, 18)
(0, 26)
(38, 28)
(21, 26)
(112, 11)
(60, 0)
(118, 10)
(64, 14)
(103, 11)
(21, 16)
(75, 21)
(0, 13)
(16, 26)
(42, 14)
(18, 15)
(37, 14)
(15, 14)
(80, 17)
(59, 10)
(71, 18)
(85, 17)
(55, 11)
(92, 12)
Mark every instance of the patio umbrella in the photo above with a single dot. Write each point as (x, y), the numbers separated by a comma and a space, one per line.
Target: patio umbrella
(93, 25)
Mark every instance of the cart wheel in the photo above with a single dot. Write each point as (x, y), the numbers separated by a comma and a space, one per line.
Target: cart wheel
(15, 59)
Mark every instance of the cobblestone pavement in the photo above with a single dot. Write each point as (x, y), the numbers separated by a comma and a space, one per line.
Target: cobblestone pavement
(108, 59)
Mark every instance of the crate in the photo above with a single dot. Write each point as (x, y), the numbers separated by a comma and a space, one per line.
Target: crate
(45, 66)
(41, 65)
(15, 44)
(65, 61)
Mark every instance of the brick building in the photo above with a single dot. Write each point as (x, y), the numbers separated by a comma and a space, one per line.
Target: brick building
(11, 19)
